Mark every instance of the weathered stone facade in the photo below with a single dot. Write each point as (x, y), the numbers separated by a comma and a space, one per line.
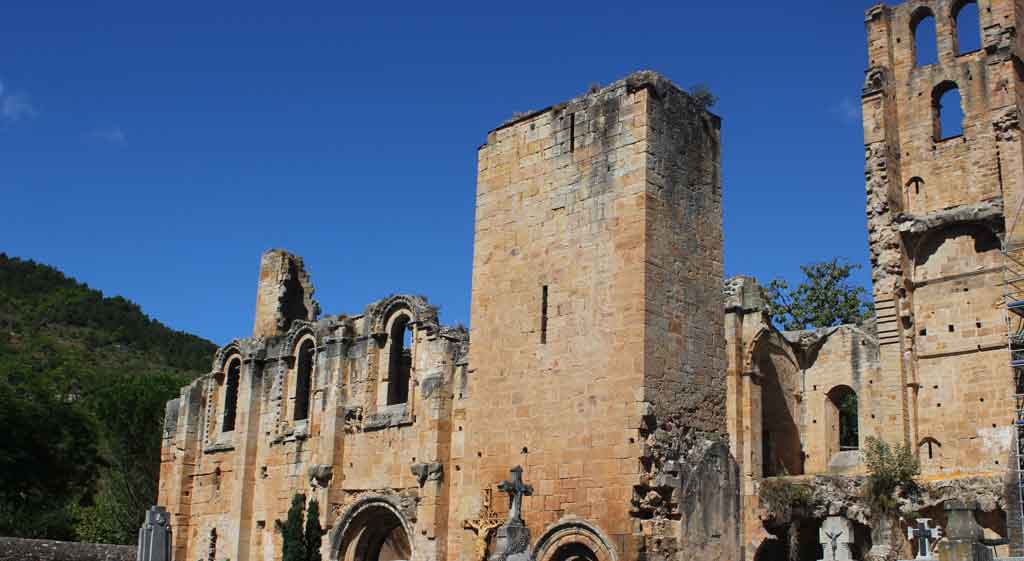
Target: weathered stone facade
(597, 365)
(932, 372)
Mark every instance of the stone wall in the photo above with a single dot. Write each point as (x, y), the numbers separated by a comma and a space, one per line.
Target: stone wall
(596, 272)
(16, 549)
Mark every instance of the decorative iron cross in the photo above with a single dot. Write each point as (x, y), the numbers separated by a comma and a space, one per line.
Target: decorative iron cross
(516, 490)
(923, 534)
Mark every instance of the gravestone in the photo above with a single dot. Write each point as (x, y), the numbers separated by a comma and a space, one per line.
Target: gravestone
(835, 536)
(925, 536)
(155, 536)
(963, 535)
(513, 537)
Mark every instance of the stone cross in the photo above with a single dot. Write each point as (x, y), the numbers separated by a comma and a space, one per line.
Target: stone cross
(923, 534)
(516, 490)
(835, 536)
(155, 536)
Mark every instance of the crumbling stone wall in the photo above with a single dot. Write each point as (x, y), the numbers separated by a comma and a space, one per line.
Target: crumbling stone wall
(227, 488)
(16, 549)
(935, 216)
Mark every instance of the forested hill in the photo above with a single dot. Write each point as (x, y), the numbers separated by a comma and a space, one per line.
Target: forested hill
(36, 297)
(83, 383)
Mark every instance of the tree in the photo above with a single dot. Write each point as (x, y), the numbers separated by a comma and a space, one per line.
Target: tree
(824, 299)
(293, 543)
(314, 533)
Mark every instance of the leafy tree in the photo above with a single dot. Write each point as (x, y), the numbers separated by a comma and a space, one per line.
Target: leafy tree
(314, 533)
(825, 298)
(293, 542)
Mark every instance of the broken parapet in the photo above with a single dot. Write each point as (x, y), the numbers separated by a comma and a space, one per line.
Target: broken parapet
(285, 294)
(744, 294)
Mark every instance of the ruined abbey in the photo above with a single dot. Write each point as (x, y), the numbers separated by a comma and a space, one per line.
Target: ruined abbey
(617, 399)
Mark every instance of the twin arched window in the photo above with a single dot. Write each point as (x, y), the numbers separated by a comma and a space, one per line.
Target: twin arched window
(965, 22)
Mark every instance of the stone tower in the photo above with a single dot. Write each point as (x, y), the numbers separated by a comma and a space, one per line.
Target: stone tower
(597, 356)
(936, 223)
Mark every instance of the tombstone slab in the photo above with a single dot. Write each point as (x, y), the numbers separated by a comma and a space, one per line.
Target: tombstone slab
(155, 536)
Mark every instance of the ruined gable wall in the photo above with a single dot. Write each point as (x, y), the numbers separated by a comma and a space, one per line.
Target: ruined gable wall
(228, 488)
(922, 261)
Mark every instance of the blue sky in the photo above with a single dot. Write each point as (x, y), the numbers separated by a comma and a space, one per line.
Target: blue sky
(154, 151)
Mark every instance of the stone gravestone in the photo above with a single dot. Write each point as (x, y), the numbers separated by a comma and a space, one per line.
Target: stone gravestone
(155, 536)
(963, 535)
(835, 536)
(513, 537)
(924, 536)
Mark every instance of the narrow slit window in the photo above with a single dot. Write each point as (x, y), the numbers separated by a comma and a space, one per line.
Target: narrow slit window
(544, 315)
(572, 132)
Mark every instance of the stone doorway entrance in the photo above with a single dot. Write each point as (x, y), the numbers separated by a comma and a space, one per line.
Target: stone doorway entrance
(374, 532)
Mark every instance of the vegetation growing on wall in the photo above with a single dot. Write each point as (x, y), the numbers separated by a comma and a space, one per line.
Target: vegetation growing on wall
(890, 468)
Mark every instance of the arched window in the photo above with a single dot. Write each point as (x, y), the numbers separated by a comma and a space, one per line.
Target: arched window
(399, 360)
(303, 375)
(847, 431)
(968, 27)
(922, 25)
(915, 184)
(231, 394)
(947, 113)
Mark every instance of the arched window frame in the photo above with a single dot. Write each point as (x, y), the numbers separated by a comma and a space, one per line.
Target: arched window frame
(954, 18)
(937, 93)
(395, 381)
(230, 383)
(920, 15)
(302, 383)
(834, 399)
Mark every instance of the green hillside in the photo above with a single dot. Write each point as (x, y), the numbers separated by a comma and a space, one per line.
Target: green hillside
(83, 382)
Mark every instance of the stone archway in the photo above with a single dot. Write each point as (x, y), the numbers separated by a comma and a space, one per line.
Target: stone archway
(372, 530)
(573, 540)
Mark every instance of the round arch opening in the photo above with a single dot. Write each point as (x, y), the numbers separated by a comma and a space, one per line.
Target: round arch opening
(374, 532)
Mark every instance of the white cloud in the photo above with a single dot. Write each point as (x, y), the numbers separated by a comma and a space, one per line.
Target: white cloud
(15, 106)
(113, 135)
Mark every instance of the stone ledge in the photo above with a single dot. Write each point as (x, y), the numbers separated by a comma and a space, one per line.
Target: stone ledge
(390, 416)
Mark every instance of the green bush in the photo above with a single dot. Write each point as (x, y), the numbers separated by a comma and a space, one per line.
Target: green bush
(889, 468)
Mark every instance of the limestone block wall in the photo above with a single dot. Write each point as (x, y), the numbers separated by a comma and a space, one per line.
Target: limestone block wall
(595, 313)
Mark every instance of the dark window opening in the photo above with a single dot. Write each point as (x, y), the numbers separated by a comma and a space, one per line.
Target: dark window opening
(303, 379)
(231, 395)
(916, 183)
(544, 315)
(572, 132)
(948, 114)
(922, 25)
(968, 27)
(399, 361)
(845, 401)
